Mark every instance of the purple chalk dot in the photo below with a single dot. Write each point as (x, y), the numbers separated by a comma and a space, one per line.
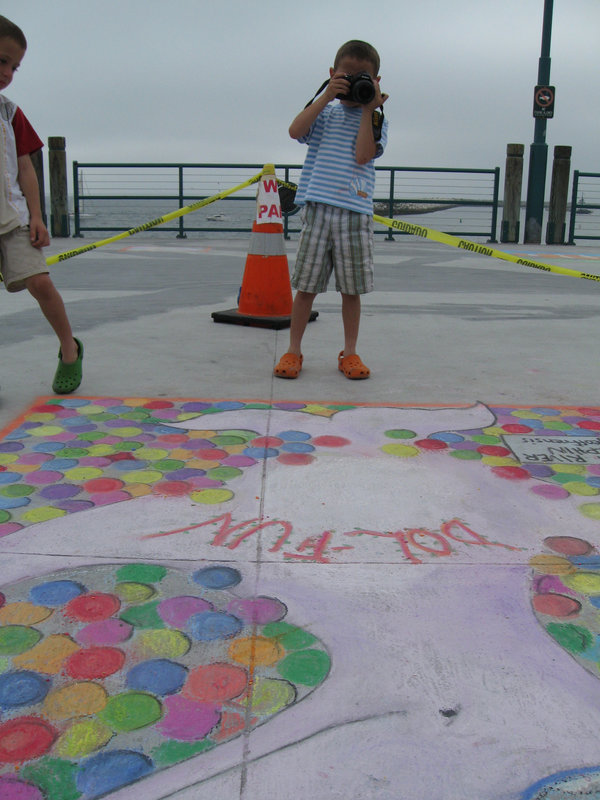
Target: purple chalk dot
(187, 720)
(258, 610)
(550, 492)
(104, 632)
(176, 611)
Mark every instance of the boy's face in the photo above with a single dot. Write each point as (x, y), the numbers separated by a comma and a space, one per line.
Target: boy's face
(352, 66)
(11, 55)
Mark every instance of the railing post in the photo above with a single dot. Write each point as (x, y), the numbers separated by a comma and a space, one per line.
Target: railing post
(59, 201)
(493, 239)
(513, 180)
(390, 236)
(182, 234)
(573, 207)
(76, 220)
(37, 160)
(559, 190)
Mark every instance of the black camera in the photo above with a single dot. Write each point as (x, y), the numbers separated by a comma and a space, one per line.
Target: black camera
(360, 90)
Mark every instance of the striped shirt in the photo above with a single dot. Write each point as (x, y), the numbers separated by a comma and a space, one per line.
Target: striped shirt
(330, 173)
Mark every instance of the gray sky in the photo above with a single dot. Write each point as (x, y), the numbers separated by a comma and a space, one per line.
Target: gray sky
(198, 81)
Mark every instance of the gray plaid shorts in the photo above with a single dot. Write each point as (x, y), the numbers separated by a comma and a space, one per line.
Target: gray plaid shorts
(334, 239)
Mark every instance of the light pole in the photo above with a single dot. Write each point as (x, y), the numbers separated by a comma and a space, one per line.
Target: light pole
(538, 153)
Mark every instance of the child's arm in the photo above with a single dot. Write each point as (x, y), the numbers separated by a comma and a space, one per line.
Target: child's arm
(28, 182)
(365, 149)
(301, 124)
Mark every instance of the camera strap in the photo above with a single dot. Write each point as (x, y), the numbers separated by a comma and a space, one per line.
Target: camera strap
(377, 119)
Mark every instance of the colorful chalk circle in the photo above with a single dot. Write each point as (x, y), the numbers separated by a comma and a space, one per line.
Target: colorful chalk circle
(112, 672)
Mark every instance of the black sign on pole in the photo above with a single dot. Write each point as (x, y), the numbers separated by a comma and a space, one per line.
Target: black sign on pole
(543, 102)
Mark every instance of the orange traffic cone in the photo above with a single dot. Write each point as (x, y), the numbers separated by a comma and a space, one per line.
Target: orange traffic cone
(265, 299)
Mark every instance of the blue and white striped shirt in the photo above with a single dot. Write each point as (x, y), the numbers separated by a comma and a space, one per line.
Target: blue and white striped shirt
(330, 173)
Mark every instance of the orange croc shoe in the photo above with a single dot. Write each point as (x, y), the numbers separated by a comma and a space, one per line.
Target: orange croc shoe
(289, 366)
(352, 367)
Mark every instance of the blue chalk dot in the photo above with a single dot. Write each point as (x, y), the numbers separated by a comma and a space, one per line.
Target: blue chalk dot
(261, 452)
(56, 593)
(211, 625)
(297, 447)
(13, 502)
(447, 437)
(293, 436)
(10, 477)
(106, 772)
(217, 577)
(22, 688)
(158, 676)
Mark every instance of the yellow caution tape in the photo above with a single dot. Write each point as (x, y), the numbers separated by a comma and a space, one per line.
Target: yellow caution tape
(482, 250)
(153, 223)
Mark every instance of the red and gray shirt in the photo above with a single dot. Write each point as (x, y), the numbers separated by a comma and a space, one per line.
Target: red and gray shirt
(17, 138)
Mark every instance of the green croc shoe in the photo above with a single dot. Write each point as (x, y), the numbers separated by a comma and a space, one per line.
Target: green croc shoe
(68, 376)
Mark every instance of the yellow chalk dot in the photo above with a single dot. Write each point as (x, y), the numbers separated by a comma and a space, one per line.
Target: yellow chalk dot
(400, 450)
(126, 431)
(75, 700)
(180, 454)
(134, 592)
(8, 458)
(581, 488)
(151, 454)
(142, 476)
(166, 643)
(42, 514)
(46, 430)
(100, 450)
(137, 489)
(590, 510)
(40, 417)
(269, 695)
(551, 565)
(493, 431)
(576, 469)
(211, 496)
(584, 582)
(499, 461)
(23, 614)
(91, 411)
(201, 434)
(82, 738)
(78, 474)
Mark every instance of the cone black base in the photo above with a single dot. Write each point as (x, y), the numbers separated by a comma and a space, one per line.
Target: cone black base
(234, 317)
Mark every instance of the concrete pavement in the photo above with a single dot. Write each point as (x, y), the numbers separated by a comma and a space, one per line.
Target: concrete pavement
(371, 589)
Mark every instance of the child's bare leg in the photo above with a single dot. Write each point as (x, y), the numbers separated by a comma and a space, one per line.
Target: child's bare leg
(51, 303)
(351, 321)
(301, 308)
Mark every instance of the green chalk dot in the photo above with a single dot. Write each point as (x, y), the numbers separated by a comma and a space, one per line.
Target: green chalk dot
(141, 573)
(15, 639)
(172, 751)
(400, 434)
(145, 616)
(573, 638)
(289, 636)
(130, 711)
(466, 455)
(54, 777)
(17, 490)
(307, 667)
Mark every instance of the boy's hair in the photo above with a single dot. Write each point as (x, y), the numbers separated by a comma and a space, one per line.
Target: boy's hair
(8, 28)
(360, 50)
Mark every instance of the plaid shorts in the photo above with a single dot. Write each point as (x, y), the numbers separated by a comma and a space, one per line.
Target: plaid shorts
(337, 239)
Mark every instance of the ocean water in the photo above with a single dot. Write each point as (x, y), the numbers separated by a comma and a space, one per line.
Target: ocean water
(101, 219)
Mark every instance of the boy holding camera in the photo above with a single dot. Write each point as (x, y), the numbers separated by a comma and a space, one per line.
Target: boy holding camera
(336, 190)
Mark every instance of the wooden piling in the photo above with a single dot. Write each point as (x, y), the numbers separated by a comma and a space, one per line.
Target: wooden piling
(513, 180)
(37, 159)
(59, 199)
(559, 190)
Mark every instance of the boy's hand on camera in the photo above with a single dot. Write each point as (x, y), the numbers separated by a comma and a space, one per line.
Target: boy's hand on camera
(338, 84)
(378, 100)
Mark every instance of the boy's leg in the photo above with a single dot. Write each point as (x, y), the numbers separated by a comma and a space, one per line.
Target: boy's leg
(51, 303)
(351, 321)
(301, 308)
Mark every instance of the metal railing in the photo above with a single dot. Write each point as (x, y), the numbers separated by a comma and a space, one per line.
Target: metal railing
(120, 196)
(586, 187)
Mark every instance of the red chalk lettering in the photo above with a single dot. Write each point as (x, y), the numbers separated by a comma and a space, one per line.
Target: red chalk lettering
(446, 528)
(318, 544)
(412, 533)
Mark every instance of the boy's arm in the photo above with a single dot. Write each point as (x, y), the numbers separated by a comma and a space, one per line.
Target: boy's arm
(28, 182)
(302, 123)
(365, 149)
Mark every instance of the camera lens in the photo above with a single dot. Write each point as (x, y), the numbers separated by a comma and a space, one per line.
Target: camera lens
(362, 91)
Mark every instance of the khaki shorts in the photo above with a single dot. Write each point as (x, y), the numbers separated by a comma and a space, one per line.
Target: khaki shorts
(19, 259)
(334, 239)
